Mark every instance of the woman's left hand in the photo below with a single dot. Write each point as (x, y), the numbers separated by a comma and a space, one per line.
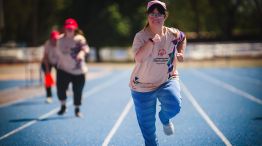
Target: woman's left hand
(180, 57)
(80, 55)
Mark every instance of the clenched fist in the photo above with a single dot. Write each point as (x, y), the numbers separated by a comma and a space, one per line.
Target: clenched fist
(180, 57)
(156, 38)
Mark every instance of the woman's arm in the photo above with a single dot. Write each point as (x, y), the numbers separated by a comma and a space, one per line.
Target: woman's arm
(181, 48)
(81, 55)
(180, 52)
(146, 50)
(84, 49)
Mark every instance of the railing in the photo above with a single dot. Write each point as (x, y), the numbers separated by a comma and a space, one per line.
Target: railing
(23, 54)
(195, 51)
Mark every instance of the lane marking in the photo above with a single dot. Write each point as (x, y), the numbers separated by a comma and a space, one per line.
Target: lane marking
(228, 87)
(95, 90)
(200, 110)
(118, 123)
(240, 77)
(29, 123)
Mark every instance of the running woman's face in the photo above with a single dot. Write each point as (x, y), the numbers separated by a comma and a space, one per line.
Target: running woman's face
(155, 18)
(70, 32)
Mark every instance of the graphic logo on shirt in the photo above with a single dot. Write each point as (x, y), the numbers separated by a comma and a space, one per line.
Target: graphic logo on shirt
(135, 81)
(160, 60)
(161, 52)
(74, 51)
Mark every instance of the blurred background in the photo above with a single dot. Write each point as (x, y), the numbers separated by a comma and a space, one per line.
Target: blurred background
(214, 29)
(223, 57)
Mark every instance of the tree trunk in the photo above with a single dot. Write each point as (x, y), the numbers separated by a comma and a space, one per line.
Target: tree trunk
(259, 10)
(35, 23)
(197, 20)
(2, 23)
(98, 58)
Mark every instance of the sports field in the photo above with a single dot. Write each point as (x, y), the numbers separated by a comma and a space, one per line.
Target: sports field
(220, 106)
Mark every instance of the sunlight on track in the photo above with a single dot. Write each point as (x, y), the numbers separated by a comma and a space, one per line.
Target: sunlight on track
(88, 93)
(227, 87)
(199, 109)
(118, 123)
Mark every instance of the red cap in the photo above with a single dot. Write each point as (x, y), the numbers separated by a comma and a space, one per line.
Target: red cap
(70, 23)
(54, 35)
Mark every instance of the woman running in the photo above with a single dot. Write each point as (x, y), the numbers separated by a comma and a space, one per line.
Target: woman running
(71, 68)
(157, 49)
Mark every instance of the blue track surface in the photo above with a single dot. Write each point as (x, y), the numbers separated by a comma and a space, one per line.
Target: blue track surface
(237, 117)
(15, 83)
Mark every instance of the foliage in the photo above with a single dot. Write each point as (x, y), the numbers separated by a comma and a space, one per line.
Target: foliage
(115, 22)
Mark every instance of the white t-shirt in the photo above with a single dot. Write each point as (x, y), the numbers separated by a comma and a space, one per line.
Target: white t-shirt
(68, 49)
(157, 68)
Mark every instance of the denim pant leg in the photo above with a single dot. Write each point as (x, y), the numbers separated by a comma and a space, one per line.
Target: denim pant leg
(145, 107)
(170, 98)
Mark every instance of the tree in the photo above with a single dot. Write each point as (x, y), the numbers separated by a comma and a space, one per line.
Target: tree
(30, 20)
(226, 11)
(115, 22)
(104, 22)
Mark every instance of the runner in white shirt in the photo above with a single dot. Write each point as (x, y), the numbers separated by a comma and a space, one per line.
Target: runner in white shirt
(157, 49)
(72, 47)
(49, 60)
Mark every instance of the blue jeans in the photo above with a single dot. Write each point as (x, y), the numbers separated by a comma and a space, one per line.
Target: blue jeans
(169, 96)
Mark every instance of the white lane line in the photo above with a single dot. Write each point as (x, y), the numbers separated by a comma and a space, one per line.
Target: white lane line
(118, 123)
(228, 87)
(199, 109)
(96, 89)
(29, 124)
(239, 77)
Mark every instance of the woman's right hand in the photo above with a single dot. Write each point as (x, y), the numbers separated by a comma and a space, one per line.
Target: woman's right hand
(146, 50)
(156, 38)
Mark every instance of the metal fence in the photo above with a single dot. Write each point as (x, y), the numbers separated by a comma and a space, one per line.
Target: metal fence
(195, 51)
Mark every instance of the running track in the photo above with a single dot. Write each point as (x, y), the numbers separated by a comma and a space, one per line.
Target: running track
(221, 106)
